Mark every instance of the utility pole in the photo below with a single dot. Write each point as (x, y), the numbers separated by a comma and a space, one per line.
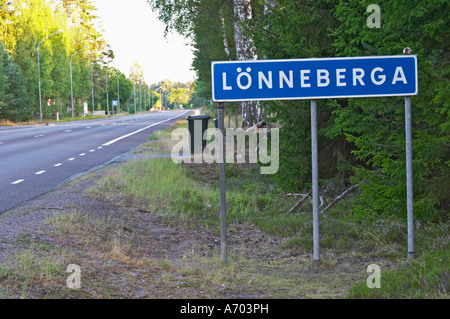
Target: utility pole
(134, 92)
(140, 97)
(118, 94)
(145, 98)
(71, 85)
(107, 94)
(93, 99)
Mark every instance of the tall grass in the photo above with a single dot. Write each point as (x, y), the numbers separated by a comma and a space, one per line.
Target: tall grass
(158, 184)
(427, 277)
(4, 122)
(168, 189)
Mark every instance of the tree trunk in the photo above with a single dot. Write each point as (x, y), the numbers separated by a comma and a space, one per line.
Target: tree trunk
(269, 7)
(227, 52)
(225, 40)
(245, 50)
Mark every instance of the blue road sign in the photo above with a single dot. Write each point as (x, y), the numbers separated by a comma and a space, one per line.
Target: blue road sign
(115, 103)
(300, 79)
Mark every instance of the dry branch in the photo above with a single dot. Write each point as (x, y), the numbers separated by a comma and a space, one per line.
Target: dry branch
(340, 197)
(300, 203)
(295, 195)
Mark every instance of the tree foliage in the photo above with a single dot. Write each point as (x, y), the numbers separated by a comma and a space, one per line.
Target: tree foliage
(23, 26)
(376, 126)
(13, 96)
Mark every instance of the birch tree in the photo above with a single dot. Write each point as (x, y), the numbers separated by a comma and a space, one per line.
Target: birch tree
(245, 50)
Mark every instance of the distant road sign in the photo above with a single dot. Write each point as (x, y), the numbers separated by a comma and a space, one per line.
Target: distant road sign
(115, 103)
(299, 79)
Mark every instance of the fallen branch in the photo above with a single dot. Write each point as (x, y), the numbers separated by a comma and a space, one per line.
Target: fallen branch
(144, 211)
(295, 195)
(340, 197)
(300, 203)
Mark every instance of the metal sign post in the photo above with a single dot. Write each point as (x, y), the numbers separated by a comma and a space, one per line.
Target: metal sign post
(222, 185)
(107, 94)
(115, 103)
(409, 177)
(93, 97)
(315, 180)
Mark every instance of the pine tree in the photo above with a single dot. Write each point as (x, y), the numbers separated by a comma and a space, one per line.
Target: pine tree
(376, 126)
(14, 100)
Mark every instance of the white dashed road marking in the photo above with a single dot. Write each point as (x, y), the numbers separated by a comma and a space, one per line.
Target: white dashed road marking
(142, 129)
(93, 150)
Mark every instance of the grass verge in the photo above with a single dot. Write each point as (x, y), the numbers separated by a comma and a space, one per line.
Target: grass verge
(190, 193)
(157, 237)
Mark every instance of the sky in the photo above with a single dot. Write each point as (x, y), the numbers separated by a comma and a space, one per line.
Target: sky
(135, 34)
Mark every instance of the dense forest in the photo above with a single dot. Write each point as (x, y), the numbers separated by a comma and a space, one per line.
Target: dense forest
(65, 31)
(362, 141)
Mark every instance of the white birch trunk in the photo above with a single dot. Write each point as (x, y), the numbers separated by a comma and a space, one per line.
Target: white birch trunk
(245, 50)
(269, 6)
(225, 41)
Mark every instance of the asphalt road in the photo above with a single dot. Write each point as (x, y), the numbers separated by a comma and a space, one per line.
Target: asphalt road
(34, 160)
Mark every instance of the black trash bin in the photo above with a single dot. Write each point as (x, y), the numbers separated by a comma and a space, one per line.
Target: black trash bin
(197, 141)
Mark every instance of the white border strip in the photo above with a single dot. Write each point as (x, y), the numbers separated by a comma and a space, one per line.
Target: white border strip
(316, 97)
